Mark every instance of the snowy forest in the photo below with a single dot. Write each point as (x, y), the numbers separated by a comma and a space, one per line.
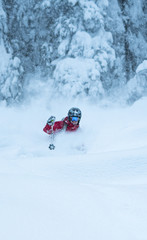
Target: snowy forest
(79, 48)
(85, 176)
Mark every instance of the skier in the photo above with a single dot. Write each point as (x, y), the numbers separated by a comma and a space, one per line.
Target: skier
(69, 123)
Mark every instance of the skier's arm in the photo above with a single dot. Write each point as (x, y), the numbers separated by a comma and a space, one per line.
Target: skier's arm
(49, 125)
(50, 128)
(47, 129)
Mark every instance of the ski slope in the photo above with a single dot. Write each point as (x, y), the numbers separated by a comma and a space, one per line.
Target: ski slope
(92, 187)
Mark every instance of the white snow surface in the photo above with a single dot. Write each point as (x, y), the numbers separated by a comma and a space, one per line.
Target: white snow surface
(92, 186)
(142, 66)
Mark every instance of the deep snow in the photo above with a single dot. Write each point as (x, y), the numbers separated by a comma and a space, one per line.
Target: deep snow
(69, 194)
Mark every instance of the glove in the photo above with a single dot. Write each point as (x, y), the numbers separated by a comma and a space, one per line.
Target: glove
(51, 121)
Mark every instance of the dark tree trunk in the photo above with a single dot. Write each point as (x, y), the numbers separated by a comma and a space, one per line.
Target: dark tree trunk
(129, 57)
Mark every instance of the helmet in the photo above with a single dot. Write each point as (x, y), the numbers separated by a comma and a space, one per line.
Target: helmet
(74, 112)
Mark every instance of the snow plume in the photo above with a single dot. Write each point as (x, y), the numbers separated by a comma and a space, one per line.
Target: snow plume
(93, 186)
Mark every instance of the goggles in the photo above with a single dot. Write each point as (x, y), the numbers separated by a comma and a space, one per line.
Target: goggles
(74, 119)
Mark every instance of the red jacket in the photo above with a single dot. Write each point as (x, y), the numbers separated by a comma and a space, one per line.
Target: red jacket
(58, 126)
